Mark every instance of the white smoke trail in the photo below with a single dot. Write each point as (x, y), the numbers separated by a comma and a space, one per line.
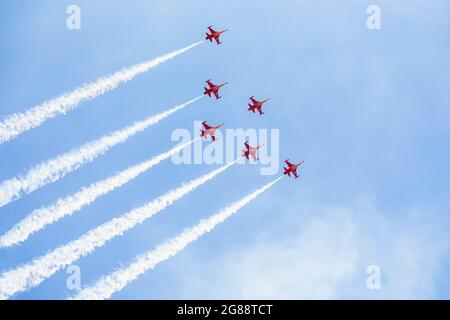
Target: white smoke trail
(18, 123)
(33, 273)
(54, 169)
(40, 218)
(116, 281)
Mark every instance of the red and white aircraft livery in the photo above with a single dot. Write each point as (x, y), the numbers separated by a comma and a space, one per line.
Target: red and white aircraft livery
(211, 131)
(257, 105)
(251, 151)
(292, 168)
(213, 89)
(214, 35)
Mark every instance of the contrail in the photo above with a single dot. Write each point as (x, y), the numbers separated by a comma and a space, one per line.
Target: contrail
(18, 123)
(33, 273)
(116, 281)
(40, 218)
(54, 169)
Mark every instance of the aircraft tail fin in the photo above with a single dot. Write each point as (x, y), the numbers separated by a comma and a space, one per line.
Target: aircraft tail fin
(202, 133)
(286, 171)
(207, 92)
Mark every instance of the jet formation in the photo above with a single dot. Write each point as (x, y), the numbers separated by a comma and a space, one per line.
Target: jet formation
(254, 106)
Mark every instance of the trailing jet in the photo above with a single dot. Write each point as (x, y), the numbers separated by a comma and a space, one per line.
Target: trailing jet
(251, 151)
(257, 105)
(214, 35)
(292, 168)
(211, 131)
(213, 89)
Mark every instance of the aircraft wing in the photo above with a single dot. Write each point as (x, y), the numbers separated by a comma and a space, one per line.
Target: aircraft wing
(210, 84)
(211, 30)
(216, 93)
(295, 174)
(207, 127)
(288, 163)
(254, 101)
(247, 146)
(217, 40)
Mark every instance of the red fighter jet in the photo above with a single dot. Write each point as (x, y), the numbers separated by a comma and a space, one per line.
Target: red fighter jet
(251, 151)
(213, 89)
(292, 168)
(257, 105)
(214, 35)
(211, 131)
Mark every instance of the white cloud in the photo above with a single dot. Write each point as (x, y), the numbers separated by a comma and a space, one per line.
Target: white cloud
(327, 258)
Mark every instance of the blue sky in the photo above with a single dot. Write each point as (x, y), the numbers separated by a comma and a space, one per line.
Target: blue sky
(367, 110)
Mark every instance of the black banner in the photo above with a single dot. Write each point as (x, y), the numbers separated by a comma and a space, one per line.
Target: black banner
(227, 309)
